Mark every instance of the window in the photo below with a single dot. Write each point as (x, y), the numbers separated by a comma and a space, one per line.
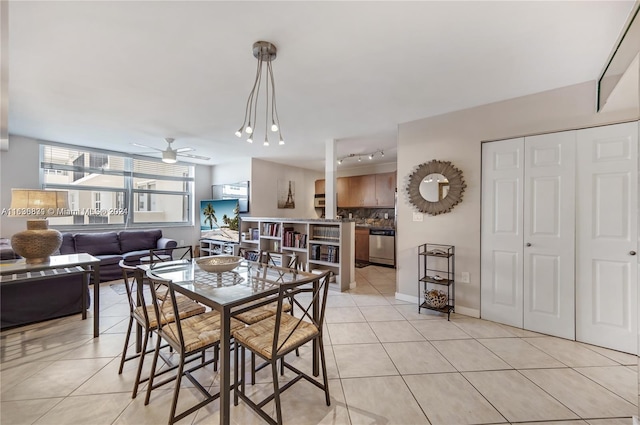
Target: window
(97, 205)
(112, 188)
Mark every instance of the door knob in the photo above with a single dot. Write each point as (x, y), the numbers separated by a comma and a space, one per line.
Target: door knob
(528, 244)
(632, 253)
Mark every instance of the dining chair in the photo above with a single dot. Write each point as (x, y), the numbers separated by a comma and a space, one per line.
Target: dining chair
(276, 336)
(262, 312)
(159, 255)
(188, 337)
(145, 316)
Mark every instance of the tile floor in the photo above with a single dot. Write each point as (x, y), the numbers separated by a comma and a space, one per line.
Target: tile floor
(387, 364)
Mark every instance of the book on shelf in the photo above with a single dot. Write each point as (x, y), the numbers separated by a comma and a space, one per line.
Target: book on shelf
(294, 239)
(271, 229)
(328, 233)
(327, 253)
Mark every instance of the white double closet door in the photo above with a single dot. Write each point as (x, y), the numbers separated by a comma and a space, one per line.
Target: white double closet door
(556, 209)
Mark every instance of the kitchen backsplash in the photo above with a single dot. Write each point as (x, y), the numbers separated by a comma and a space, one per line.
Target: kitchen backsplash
(374, 217)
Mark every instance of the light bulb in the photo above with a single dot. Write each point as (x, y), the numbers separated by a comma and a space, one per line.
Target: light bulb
(381, 153)
(250, 140)
(281, 142)
(266, 142)
(249, 130)
(339, 161)
(274, 127)
(239, 132)
(370, 156)
(359, 159)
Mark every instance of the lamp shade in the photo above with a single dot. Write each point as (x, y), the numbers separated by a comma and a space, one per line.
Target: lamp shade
(38, 242)
(33, 203)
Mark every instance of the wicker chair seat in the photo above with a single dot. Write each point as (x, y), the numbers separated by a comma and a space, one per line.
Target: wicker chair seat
(259, 336)
(186, 306)
(198, 331)
(260, 313)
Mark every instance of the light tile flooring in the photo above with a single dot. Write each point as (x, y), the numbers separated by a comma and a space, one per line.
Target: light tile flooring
(387, 364)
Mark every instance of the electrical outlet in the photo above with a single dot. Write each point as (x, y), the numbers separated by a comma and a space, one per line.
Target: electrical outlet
(417, 216)
(464, 277)
(386, 216)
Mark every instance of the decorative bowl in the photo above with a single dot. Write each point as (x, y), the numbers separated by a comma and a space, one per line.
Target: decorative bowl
(218, 263)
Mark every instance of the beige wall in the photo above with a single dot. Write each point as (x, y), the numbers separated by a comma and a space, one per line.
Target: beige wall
(264, 189)
(231, 173)
(457, 137)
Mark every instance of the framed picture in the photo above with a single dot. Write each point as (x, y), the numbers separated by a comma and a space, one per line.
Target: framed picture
(286, 194)
(239, 191)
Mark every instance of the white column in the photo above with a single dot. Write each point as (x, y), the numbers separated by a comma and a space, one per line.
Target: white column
(330, 178)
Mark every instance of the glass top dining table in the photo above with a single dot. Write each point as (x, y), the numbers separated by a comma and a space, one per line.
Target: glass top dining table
(227, 292)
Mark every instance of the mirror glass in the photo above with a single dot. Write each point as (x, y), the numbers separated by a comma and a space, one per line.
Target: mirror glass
(434, 187)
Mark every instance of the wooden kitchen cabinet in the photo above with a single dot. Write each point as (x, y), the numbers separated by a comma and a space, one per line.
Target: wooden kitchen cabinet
(362, 244)
(371, 190)
(385, 189)
(320, 187)
(343, 192)
(362, 190)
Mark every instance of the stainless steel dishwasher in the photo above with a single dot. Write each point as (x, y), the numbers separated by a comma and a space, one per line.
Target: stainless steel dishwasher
(382, 246)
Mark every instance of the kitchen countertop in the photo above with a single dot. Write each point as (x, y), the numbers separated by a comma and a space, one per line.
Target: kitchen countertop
(310, 220)
(375, 226)
(369, 223)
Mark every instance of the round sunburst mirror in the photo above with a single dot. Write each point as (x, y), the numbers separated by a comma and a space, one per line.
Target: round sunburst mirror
(435, 187)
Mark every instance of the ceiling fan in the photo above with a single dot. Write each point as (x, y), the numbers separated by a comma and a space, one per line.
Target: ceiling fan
(169, 154)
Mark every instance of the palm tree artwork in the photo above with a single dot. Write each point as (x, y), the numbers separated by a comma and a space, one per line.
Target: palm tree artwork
(210, 215)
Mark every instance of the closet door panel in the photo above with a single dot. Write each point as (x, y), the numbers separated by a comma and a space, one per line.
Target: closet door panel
(549, 236)
(607, 223)
(501, 252)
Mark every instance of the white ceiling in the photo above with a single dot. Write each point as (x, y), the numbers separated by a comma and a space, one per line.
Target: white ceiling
(108, 74)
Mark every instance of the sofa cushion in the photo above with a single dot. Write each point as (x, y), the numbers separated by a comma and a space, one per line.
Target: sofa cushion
(106, 260)
(97, 243)
(68, 245)
(133, 257)
(137, 240)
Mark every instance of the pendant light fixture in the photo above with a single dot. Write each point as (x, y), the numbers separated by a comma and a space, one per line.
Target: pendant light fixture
(265, 52)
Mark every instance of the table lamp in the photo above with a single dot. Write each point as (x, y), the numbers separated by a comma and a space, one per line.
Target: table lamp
(38, 242)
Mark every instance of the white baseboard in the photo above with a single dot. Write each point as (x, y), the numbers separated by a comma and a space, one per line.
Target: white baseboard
(407, 298)
(472, 312)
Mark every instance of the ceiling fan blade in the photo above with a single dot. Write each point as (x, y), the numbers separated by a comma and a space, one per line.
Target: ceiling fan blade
(190, 155)
(184, 149)
(145, 146)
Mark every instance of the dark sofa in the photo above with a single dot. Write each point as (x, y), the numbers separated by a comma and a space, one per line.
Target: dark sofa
(111, 247)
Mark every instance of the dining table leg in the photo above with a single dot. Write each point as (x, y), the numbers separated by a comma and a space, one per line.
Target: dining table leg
(225, 366)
